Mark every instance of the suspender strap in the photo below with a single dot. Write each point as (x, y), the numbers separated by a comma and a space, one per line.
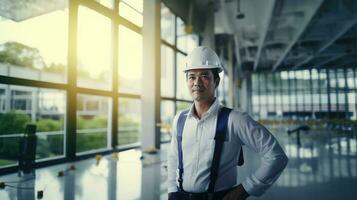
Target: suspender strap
(221, 130)
(180, 126)
(241, 157)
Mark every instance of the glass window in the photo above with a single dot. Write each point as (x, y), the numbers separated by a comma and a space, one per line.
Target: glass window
(182, 105)
(181, 85)
(27, 47)
(181, 34)
(340, 76)
(292, 91)
(94, 50)
(167, 116)
(351, 94)
(132, 10)
(167, 72)
(129, 121)
(255, 94)
(28, 105)
(93, 122)
(277, 92)
(167, 25)
(130, 61)
(333, 87)
(187, 42)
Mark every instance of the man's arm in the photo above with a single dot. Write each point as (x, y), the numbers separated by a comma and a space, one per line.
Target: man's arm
(273, 158)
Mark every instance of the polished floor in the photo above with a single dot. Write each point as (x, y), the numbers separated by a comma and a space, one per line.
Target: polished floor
(323, 167)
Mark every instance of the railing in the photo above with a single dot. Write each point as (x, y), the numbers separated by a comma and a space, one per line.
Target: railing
(297, 131)
(43, 134)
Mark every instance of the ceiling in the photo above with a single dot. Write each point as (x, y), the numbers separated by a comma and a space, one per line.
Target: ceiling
(19, 10)
(288, 34)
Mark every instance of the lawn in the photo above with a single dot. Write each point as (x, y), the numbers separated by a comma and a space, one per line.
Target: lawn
(7, 162)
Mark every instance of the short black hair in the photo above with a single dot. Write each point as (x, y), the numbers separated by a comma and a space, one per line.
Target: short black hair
(215, 73)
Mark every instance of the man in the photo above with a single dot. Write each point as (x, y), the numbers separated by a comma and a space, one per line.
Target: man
(194, 149)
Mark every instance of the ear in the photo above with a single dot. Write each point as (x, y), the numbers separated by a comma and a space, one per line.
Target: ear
(217, 82)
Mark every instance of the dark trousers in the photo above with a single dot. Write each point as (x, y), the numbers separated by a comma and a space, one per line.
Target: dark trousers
(180, 195)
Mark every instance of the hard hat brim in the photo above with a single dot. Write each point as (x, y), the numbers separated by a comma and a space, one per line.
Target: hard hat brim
(220, 69)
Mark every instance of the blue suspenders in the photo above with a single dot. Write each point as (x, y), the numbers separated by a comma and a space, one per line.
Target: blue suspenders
(221, 129)
(180, 125)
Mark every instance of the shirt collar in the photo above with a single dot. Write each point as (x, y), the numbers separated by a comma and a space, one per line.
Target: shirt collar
(211, 111)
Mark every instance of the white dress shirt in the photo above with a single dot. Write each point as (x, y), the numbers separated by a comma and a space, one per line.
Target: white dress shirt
(198, 147)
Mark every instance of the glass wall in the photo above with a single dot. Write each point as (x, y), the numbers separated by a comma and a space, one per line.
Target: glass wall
(129, 121)
(305, 94)
(66, 70)
(175, 44)
(130, 61)
(27, 47)
(21, 105)
(94, 50)
(93, 122)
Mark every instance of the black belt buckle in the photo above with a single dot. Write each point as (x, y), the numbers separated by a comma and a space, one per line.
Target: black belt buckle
(196, 196)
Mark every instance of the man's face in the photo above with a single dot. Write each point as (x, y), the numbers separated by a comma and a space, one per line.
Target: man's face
(201, 84)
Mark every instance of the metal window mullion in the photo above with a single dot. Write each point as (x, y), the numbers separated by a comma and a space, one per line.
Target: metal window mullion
(115, 79)
(71, 115)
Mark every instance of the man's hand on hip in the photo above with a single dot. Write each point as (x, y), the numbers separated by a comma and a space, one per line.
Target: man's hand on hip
(238, 193)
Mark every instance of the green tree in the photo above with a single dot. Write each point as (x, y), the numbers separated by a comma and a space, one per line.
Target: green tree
(11, 123)
(21, 55)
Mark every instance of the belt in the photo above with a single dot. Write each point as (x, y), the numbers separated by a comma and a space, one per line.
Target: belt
(182, 195)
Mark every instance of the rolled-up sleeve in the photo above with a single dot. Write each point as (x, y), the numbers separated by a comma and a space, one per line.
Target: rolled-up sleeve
(172, 160)
(273, 158)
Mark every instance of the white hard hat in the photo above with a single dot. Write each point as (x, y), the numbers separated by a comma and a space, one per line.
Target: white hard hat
(203, 57)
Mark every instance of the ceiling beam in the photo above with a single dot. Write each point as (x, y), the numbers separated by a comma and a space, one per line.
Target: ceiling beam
(344, 63)
(333, 58)
(347, 26)
(311, 10)
(264, 31)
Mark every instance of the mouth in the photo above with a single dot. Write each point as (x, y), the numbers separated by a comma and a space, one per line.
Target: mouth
(197, 91)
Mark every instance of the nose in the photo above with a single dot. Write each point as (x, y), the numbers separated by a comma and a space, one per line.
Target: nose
(197, 81)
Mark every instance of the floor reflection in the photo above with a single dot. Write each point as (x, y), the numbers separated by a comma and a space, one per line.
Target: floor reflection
(324, 166)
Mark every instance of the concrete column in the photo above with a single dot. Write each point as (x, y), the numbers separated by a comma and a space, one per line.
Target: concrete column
(231, 77)
(150, 133)
(245, 94)
(236, 88)
(151, 178)
(208, 33)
